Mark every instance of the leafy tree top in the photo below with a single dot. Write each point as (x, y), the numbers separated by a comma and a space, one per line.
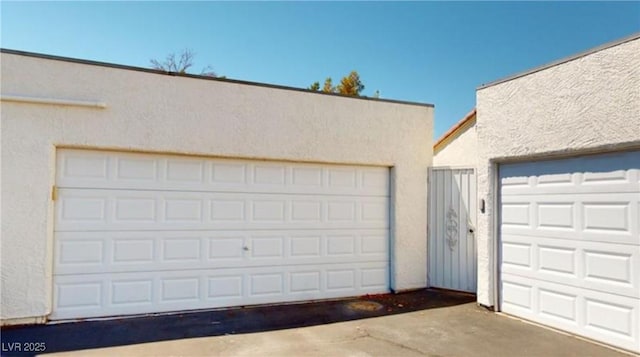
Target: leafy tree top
(349, 85)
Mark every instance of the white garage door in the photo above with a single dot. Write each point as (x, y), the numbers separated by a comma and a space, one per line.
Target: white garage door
(570, 245)
(140, 233)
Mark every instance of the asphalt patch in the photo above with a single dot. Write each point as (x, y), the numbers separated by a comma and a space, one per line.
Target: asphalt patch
(81, 335)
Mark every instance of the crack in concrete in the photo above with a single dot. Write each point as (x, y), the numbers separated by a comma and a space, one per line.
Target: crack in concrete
(366, 333)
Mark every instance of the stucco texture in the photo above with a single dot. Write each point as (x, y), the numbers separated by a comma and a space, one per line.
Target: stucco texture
(460, 151)
(152, 112)
(586, 105)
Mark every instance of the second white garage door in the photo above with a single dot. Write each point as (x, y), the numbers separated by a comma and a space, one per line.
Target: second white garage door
(570, 245)
(142, 233)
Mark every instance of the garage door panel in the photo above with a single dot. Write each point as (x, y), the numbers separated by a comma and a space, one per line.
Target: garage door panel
(610, 268)
(626, 186)
(607, 267)
(516, 296)
(594, 174)
(591, 217)
(517, 254)
(113, 210)
(102, 252)
(94, 295)
(586, 236)
(561, 216)
(590, 313)
(570, 245)
(115, 170)
(561, 260)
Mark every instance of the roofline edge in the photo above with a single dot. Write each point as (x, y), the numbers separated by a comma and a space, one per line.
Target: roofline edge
(563, 60)
(455, 128)
(195, 76)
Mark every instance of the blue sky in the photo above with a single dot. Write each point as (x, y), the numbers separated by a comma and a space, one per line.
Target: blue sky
(433, 52)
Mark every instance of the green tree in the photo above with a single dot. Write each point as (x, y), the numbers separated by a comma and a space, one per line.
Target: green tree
(349, 85)
(328, 86)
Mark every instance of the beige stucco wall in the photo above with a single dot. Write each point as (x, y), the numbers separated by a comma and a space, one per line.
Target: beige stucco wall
(461, 151)
(159, 113)
(589, 104)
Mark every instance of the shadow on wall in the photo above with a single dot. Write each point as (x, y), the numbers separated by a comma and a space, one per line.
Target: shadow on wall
(605, 163)
(117, 332)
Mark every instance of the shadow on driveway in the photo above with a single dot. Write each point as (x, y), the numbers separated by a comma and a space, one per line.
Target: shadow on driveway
(124, 331)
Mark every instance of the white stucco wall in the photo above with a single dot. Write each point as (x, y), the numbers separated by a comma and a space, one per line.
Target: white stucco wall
(461, 151)
(589, 104)
(160, 113)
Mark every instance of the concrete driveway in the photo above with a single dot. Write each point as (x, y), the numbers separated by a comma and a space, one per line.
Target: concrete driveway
(455, 330)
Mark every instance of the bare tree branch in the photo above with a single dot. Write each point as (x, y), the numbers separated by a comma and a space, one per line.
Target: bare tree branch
(208, 72)
(173, 64)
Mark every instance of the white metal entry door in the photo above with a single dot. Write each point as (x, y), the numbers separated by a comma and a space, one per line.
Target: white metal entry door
(140, 233)
(570, 245)
(452, 221)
